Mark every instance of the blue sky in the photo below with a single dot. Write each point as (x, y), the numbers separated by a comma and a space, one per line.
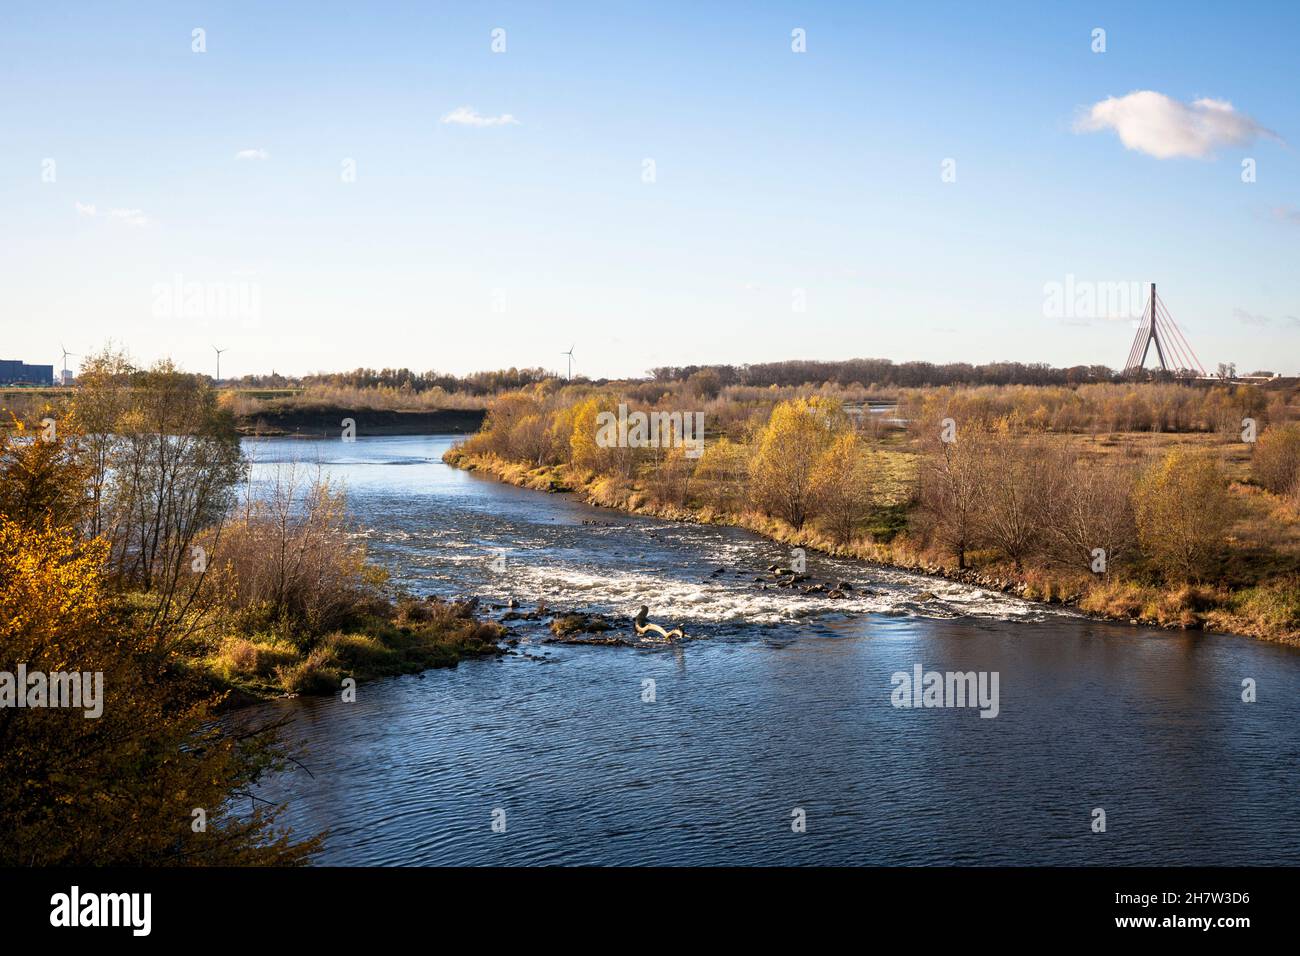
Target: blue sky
(780, 178)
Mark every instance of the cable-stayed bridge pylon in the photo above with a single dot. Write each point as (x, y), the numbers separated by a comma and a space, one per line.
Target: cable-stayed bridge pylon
(1159, 329)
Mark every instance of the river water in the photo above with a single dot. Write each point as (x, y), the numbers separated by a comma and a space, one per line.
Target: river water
(776, 709)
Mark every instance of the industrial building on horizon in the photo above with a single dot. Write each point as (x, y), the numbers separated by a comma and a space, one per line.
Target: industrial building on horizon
(14, 372)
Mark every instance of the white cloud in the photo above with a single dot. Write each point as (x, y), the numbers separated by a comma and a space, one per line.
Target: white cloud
(252, 154)
(132, 217)
(466, 116)
(1160, 126)
(1250, 318)
(1287, 214)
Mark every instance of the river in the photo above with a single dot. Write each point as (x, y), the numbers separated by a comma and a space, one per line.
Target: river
(777, 709)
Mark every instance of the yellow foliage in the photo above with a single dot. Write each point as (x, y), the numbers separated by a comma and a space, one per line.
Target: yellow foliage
(797, 434)
(42, 480)
(1183, 512)
(583, 450)
(118, 786)
(52, 595)
(842, 487)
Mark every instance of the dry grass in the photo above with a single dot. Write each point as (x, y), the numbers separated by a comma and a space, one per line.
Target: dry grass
(317, 673)
(251, 662)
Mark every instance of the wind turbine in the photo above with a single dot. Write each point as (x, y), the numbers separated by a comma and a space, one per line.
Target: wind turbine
(219, 351)
(570, 355)
(66, 353)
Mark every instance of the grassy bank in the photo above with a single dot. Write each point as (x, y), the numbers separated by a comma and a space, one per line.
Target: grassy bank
(385, 639)
(290, 603)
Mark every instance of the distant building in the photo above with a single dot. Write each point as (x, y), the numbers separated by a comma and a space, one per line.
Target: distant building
(14, 372)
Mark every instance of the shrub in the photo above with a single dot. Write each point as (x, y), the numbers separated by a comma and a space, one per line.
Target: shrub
(1116, 598)
(358, 651)
(241, 658)
(238, 657)
(1184, 605)
(1275, 464)
(287, 563)
(1275, 605)
(317, 673)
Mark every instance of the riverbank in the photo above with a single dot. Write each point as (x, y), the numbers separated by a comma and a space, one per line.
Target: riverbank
(1265, 612)
(327, 421)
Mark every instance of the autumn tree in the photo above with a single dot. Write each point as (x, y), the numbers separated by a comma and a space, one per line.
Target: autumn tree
(515, 428)
(1023, 477)
(165, 460)
(669, 479)
(122, 787)
(1092, 508)
(705, 384)
(954, 480)
(587, 450)
(798, 433)
(531, 440)
(721, 475)
(102, 396)
(45, 475)
(842, 487)
(174, 472)
(1183, 512)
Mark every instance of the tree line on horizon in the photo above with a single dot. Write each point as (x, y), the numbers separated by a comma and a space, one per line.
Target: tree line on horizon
(856, 372)
(476, 383)
(886, 372)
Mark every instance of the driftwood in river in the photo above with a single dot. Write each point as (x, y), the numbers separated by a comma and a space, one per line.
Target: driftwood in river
(643, 626)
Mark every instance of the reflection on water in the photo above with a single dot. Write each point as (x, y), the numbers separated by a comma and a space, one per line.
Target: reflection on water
(780, 701)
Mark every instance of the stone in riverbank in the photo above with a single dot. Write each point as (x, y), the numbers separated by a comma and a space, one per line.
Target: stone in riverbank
(569, 625)
(612, 640)
(578, 628)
